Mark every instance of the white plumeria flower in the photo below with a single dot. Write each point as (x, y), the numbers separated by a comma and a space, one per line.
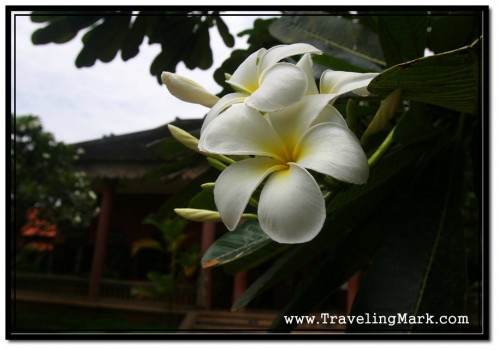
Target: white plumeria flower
(339, 83)
(261, 81)
(308, 135)
(335, 83)
(264, 83)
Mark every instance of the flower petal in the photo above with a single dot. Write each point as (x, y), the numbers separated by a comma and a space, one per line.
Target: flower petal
(291, 207)
(280, 86)
(279, 52)
(187, 90)
(291, 123)
(306, 64)
(245, 78)
(236, 184)
(241, 130)
(330, 115)
(338, 82)
(224, 103)
(332, 149)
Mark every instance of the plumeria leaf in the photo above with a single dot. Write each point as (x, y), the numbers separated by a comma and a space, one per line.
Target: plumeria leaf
(421, 266)
(450, 80)
(336, 36)
(421, 122)
(331, 62)
(255, 258)
(381, 175)
(204, 200)
(452, 31)
(224, 32)
(244, 240)
(402, 37)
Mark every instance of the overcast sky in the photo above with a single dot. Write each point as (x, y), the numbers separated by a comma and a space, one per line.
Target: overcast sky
(117, 97)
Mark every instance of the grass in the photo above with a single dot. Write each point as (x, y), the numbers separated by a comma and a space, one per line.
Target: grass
(34, 317)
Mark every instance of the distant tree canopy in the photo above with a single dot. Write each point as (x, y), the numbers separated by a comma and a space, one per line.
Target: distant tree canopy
(44, 178)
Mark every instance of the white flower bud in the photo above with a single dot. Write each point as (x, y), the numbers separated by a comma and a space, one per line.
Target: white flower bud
(188, 90)
(184, 137)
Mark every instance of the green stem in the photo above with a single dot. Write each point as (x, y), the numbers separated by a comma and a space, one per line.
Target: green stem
(249, 216)
(222, 158)
(381, 149)
(216, 163)
(327, 195)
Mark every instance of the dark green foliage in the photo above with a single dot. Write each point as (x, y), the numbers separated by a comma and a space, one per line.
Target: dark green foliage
(339, 37)
(422, 257)
(449, 80)
(403, 38)
(184, 37)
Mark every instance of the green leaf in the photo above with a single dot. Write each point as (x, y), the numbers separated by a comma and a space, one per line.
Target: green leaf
(403, 38)
(134, 38)
(381, 175)
(420, 123)
(171, 228)
(244, 240)
(453, 31)
(331, 62)
(223, 30)
(146, 244)
(448, 80)
(104, 40)
(336, 36)
(61, 28)
(421, 266)
(256, 258)
(199, 55)
(204, 200)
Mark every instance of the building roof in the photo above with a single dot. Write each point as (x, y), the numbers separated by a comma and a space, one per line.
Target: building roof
(132, 147)
(127, 156)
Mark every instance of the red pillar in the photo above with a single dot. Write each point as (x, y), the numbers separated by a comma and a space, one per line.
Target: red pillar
(240, 285)
(352, 287)
(204, 292)
(100, 245)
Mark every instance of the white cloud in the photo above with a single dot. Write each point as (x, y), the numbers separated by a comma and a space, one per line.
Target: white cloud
(116, 97)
